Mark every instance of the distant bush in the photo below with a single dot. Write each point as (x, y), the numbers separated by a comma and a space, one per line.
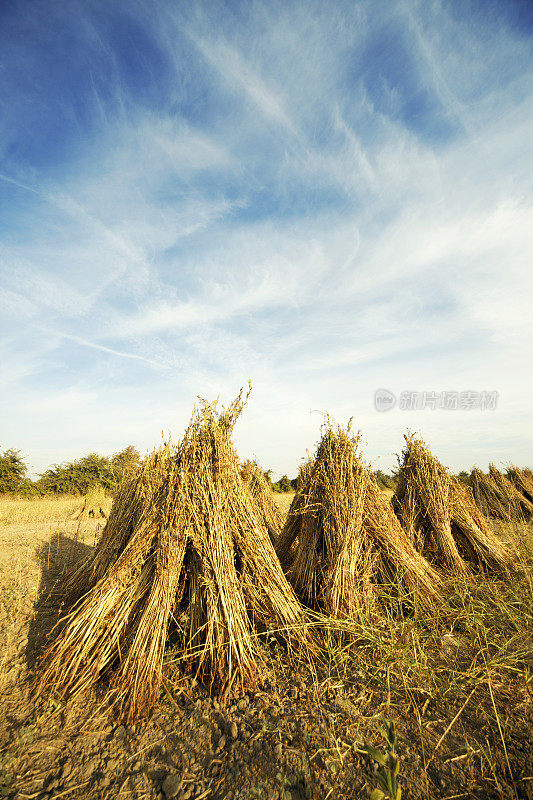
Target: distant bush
(284, 484)
(72, 477)
(464, 477)
(385, 481)
(124, 461)
(12, 471)
(29, 489)
(76, 477)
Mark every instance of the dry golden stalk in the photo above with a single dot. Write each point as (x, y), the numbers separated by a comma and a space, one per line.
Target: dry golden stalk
(257, 484)
(93, 505)
(497, 497)
(441, 517)
(522, 480)
(184, 542)
(341, 538)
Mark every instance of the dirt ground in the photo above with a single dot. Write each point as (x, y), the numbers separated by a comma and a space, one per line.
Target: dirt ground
(297, 736)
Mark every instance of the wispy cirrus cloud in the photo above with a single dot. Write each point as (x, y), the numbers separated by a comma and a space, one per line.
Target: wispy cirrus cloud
(234, 69)
(325, 200)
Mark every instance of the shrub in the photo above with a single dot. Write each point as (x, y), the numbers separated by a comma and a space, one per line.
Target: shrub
(76, 477)
(284, 484)
(385, 481)
(12, 471)
(125, 460)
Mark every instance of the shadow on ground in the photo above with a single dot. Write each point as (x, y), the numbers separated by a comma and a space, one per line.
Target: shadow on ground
(58, 558)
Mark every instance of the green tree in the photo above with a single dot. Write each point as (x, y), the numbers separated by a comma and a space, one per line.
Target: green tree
(385, 481)
(284, 484)
(76, 477)
(125, 460)
(12, 471)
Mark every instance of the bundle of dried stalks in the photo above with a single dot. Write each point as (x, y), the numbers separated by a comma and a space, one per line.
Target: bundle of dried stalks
(287, 543)
(341, 539)
(93, 505)
(497, 497)
(485, 495)
(257, 484)
(184, 542)
(440, 515)
(522, 479)
(304, 473)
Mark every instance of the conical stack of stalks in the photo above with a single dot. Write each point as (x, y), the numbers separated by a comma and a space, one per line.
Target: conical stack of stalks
(341, 539)
(497, 497)
(93, 504)
(184, 541)
(486, 495)
(440, 515)
(286, 546)
(257, 484)
(522, 479)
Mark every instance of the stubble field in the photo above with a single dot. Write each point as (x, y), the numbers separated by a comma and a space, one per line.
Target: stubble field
(458, 683)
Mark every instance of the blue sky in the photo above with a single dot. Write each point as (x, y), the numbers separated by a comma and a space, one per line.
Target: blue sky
(323, 197)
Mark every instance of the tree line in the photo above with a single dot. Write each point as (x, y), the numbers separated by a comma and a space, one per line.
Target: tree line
(76, 477)
(285, 484)
(71, 477)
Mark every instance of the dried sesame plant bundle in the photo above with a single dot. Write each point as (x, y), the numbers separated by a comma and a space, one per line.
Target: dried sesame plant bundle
(135, 495)
(522, 479)
(509, 503)
(341, 540)
(93, 504)
(440, 515)
(304, 473)
(286, 544)
(486, 495)
(257, 484)
(497, 497)
(185, 541)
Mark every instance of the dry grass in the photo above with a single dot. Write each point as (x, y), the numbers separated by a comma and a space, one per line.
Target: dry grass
(185, 553)
(283, 501)
(457, 679)
(440, 515)
(33, 556)
(15, 510)
(341, 540)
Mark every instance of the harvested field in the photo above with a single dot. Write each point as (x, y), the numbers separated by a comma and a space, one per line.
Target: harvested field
(55, 508)
(283, 501)
(456, 678)
(434, 674)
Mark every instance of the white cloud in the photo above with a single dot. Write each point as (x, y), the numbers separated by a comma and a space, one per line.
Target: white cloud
(234, 69)
(290, 229)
